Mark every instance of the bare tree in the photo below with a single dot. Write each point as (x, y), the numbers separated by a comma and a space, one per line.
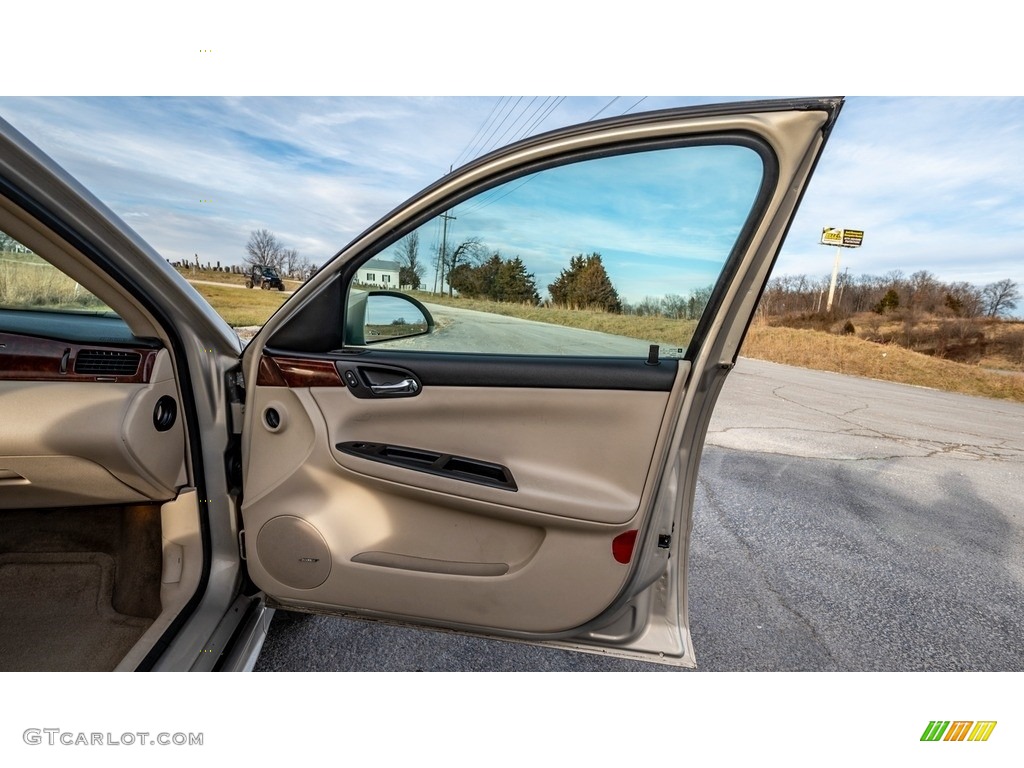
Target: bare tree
(964, 300)
(469, 251)
(411, 269)
(1000, 297)
(649, 306)
(290, 261)
(306, 268)
(263, 249)
(925, 291)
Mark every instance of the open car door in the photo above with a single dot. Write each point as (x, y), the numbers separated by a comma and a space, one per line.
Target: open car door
(506, 469)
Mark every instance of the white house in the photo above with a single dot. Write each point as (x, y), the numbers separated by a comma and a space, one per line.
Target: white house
(379, 273)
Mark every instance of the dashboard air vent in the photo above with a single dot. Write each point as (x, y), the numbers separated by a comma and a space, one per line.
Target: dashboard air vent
(102, 362)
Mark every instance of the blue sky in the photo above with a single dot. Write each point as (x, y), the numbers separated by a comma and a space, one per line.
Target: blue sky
(936, 183)
(664, 222)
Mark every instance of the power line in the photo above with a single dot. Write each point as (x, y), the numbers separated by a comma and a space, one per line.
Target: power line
(484, 139)
(483, 201)
(602, 109)
(528, 121)
(538, 118)
(492, 196)
(488, 146)
(540, 121)
(521, 116)
(488, 198)
(525, 126)
(642, 98)
(480, 131)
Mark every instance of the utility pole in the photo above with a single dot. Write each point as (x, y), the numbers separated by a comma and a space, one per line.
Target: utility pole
(439, 266)
(443, 252)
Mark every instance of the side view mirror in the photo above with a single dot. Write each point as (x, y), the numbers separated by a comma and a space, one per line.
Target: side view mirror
(377, 316)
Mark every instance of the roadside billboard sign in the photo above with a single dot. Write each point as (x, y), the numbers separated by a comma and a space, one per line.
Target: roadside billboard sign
(843, 238)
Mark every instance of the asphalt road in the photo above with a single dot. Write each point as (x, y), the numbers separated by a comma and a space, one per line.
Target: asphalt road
(466, 330)
(840, 524)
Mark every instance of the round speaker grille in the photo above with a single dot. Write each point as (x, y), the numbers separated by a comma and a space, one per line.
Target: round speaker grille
(294, 552)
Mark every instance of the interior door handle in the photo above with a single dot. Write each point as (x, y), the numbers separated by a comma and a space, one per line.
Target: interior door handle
(403, 387)
(365, 379)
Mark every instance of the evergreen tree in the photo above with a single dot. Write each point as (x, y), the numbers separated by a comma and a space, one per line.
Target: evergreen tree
(514, 284)
(496, 279)
(891, 300)
(585, 285)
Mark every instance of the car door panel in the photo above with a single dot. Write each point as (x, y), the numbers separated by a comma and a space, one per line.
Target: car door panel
(424, 556)
(400, 538)
(567, 466)
(581, 539)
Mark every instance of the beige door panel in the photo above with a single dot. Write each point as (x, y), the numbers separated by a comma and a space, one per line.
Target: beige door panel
(328, 529)
(271, 455)
(551, 452)
(550, 439)
(392, 555)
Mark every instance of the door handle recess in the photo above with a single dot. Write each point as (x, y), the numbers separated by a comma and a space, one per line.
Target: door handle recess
(369, 381)
(403, 387)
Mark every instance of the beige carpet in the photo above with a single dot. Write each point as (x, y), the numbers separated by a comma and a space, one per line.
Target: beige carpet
(57, 613)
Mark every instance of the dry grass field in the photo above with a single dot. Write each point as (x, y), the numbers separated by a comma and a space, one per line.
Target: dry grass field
(241, 307)
(28, 281)
(825, 351)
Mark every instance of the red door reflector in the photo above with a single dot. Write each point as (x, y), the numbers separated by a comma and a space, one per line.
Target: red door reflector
(622, 546)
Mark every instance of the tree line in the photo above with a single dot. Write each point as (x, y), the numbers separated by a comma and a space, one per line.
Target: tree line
(920, 292)
(474, 271)
(672, 306)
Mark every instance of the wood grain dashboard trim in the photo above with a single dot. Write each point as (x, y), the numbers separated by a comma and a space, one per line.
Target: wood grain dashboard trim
(297, 372)
(31, 358)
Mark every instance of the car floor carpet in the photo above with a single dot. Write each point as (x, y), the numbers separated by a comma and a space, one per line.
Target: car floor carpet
(57, 613)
